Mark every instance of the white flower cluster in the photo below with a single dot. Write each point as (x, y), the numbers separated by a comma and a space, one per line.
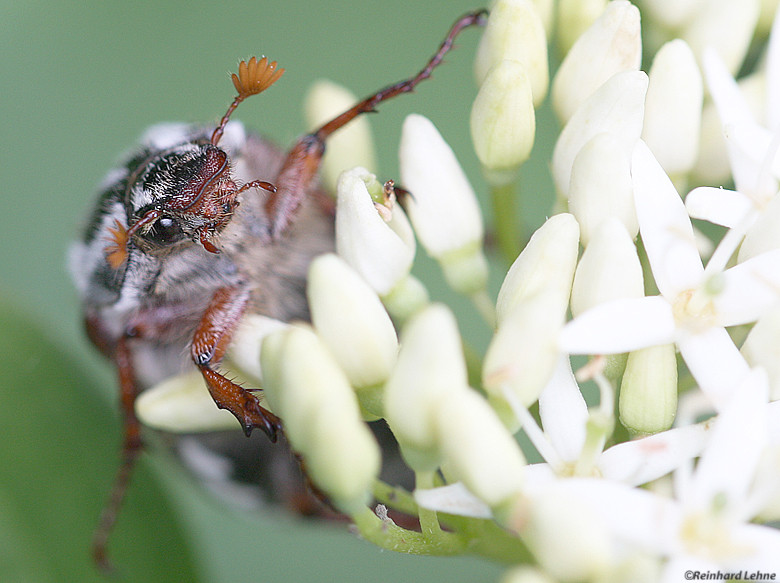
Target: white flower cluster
(676, 467)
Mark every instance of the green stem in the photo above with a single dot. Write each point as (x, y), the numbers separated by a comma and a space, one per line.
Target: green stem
(385, 534)
(429, 523)
(395, 497)
(485, 307)
(507, 226)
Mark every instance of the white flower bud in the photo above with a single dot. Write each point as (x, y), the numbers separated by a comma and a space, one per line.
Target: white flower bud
(182, 404)
(430, 369)
(244, 349)
(584, 553)
(381, 253)
(611, 45)
(349, 147)
(344, 460)
(321, 417)
(617, 107)
(762, 348)
(725, 25)
(546, 265)
(503, 123)
(574, 17)
(351, 321)
(545, 9)
(600, 186)
(442, 205)
(648, 394)
(521, 357)
(672, 13)
(608, 270)
(673, 108)
(515, 32)
(300, 377)
(477, 449)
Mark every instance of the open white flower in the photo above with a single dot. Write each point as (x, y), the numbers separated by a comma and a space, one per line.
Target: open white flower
(695, 304)
(707, 525)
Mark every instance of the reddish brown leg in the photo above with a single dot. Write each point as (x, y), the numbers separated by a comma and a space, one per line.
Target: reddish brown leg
(303, 160)
(208, 347)
(131, 448)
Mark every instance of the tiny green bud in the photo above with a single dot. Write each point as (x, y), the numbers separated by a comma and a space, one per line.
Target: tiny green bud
(648, 394)
(515, 32)
(503, 123)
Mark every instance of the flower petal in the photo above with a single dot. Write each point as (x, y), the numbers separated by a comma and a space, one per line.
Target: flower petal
(750, 289)
(453, 499)
(620, 326)
(733, 110)
(664, 225)
(563, 412)
(719, 206)
(643, 460)
(715, 363)
(728, 463)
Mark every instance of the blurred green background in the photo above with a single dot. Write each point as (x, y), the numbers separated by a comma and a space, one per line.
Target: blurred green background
(80, 82)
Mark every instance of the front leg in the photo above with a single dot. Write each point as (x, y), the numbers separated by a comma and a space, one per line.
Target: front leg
(211, 339)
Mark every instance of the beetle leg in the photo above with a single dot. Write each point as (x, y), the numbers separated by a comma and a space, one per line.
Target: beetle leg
(131, 449)
(211, 339)
(303, 160)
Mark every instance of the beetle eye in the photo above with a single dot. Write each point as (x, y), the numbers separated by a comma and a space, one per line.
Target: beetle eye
(165, 230)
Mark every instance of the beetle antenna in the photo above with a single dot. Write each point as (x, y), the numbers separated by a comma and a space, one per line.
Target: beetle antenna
(253, 77)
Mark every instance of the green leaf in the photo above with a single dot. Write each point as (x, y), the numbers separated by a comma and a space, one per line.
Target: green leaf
(58, 458)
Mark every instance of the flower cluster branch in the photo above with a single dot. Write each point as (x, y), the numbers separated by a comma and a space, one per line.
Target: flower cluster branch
(675, 465)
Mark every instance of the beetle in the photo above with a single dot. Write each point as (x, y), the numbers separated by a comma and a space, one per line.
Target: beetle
(199, 227)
